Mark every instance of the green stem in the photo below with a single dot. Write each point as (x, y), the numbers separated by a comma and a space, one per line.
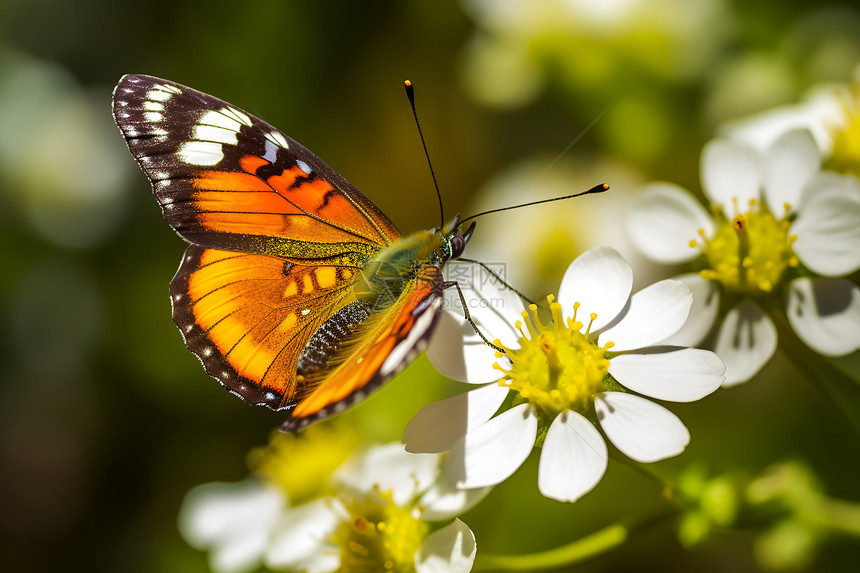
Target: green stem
(578, 551)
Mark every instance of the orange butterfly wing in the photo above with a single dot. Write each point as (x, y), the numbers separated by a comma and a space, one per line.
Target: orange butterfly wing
(248, 317)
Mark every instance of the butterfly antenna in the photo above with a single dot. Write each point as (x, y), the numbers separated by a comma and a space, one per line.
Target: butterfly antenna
(596, 189)
(410, 93)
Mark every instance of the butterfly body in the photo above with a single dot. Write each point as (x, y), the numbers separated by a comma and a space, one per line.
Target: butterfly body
(296, 292)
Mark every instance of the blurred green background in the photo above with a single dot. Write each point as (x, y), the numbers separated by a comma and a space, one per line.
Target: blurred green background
(107, 420)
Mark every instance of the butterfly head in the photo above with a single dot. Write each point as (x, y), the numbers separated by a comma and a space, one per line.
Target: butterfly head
(457, 238)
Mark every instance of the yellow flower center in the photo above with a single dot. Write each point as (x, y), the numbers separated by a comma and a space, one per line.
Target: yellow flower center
(557, 367)
(845, 156)
(302, 464)
(750, 253)
(379, 536)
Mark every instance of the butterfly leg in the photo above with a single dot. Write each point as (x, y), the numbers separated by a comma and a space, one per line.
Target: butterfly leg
(468, 317)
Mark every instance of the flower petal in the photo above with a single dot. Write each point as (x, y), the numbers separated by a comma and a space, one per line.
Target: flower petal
(600, 280)
(452, 549)
(703, 313)
(746, 341)
(493, 306)
(669, 373)
(390, 467)
(730, 170)
(825, 314)
(828, 225)
(789, 164)
(233, 520)
(664, 218)
(456, 351)
(654, 313)
(573, 458)
(302, 536)
(443, 501)
(438, 425)
(822, 111)
(489, 454)
(643, 431)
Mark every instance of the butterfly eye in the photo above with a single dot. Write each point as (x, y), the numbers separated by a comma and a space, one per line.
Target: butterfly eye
(458, 245)
(458, 242)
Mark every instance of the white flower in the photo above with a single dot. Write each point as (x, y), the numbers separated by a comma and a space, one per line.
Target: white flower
(563, 378)
(384, 500)
(772, 211)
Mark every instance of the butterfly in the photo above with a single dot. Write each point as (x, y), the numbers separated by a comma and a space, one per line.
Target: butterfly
(296, 292)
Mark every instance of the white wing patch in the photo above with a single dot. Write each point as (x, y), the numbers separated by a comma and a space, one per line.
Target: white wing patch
(271, 152)
(278, 139)
(214, 128)
(220, 119)
(234, 113)
(216, 134)
(162, 92)
(200, 153)
(304, 166)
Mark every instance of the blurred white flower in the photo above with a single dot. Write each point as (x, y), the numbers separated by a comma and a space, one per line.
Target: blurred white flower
(563, 378)
(381, 514)
(585, 42)
(60, 159)
(772, 210)
(829, 112)
(821, 113)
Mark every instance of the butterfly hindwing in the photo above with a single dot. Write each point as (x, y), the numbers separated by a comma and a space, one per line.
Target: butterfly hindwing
(226, 179)
(248, 317)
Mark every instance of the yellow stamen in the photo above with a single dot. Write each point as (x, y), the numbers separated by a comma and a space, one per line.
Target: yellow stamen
(749, 254)
(558, 367)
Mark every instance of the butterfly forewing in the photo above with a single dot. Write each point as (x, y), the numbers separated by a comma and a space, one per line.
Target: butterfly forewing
(226, 179)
